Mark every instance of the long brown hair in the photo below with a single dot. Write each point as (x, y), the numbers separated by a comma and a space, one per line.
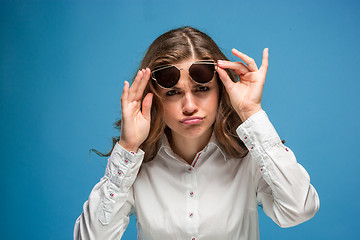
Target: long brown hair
(172, 47)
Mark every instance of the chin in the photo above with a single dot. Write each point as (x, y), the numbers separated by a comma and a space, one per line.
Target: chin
(194, 132)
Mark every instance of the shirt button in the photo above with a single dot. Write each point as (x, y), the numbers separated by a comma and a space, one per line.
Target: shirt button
(189, 170)
(193, 238)
(120, 173)
(191, 215)
(191, 194)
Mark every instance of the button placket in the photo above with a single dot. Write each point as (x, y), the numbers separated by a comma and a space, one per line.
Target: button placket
(191, 194)
(192, 205)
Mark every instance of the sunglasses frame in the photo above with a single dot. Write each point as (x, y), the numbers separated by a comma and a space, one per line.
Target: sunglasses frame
(162, 67)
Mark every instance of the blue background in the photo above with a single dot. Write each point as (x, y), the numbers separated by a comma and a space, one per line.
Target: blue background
(63, 65)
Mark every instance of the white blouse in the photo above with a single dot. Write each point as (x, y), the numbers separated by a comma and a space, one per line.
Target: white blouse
(216, 197)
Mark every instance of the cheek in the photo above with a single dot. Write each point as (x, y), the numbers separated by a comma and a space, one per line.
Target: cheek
(213, 103)
(169, 113)
(214, 109)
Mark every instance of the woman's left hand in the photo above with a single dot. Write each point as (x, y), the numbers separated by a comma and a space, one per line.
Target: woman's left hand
(245, 95)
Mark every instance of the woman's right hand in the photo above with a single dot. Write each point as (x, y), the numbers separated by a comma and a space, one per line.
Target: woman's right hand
(135, 122)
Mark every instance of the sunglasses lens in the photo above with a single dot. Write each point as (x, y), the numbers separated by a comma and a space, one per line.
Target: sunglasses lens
(202, 72)
(167, 77)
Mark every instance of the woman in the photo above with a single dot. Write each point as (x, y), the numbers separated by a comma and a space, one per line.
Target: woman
(207, 151)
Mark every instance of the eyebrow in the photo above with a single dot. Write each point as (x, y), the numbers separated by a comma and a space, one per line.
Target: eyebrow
(201, 85)
(175, 88)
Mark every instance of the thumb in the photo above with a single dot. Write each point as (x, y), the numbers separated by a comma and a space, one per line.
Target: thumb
(146, 106)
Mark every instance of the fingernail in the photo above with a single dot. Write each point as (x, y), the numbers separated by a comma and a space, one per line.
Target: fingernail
(220, 62)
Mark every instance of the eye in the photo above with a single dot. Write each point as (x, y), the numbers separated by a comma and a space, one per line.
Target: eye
(202, 89)
(171, 93)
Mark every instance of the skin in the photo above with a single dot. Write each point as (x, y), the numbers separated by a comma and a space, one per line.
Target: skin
(245, 96)
(190, 99)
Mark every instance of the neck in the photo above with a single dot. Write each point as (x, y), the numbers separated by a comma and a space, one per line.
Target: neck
(187, 148)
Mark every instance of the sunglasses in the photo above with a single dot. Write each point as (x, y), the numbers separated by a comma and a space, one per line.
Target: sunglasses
(167, 76)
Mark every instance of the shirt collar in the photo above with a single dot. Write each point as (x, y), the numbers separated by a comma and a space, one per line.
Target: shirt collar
(213, 144)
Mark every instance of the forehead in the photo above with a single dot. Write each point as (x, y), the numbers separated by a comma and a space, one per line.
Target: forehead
(185, 63)
(188, 61)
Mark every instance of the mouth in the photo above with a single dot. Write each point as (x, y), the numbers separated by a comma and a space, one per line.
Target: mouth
(191, 120)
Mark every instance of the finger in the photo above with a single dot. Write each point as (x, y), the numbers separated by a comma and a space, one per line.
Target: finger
(251, 64)
(125, 94)
(226, 80)
(135, 83)
(143, 82)
(265, 61)
(238, 67)
(135, 86)
(146, 106)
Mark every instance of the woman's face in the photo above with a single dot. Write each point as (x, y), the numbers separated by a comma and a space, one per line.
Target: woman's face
(190, 108)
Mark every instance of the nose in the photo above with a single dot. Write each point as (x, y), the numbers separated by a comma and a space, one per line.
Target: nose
(189, 104)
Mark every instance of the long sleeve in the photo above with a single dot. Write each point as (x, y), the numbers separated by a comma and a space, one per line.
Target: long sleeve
(282, 185)
(106, 213)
